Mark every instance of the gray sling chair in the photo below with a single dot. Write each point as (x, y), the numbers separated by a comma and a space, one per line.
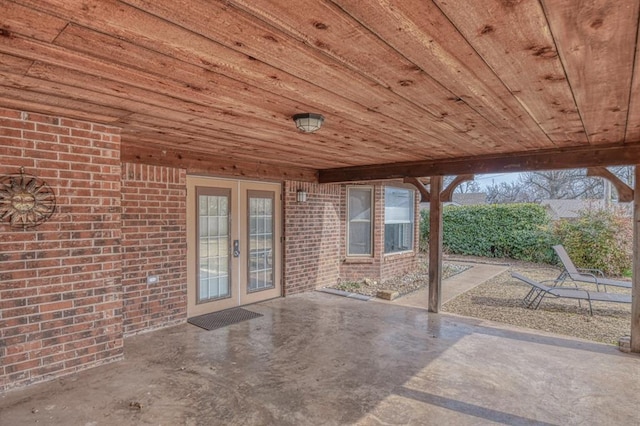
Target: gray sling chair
(539, 291)
(593, 276)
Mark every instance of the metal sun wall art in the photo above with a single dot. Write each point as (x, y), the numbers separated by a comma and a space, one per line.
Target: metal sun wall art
(25, 200)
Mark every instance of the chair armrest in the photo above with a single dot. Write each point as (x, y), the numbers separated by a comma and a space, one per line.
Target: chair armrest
(571, 288)
(554, 283)
(597, 282)
(591, 271)
(586, 292)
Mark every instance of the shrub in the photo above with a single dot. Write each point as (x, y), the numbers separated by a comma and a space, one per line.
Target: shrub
(517, 231)
(599, 239)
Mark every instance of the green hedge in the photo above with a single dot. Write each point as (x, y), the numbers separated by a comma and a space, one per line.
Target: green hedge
(598, 239)
(517, 231)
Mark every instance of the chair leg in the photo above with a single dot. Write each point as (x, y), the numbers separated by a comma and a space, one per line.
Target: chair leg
(537, 299)
(561, 278)
(530, 299)
(540, 297)
(526, 301)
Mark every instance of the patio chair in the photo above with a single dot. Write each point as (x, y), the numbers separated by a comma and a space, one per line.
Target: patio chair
(593, 276)
(539, 291)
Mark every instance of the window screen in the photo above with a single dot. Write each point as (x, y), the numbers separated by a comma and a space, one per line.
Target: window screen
(398, 219)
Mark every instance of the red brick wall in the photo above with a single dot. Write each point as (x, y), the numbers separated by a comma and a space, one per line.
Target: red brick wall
(153, 243)
(355, 268)
(312, 237)
(398, 264)
(379, 266)
(315, 245)
(60, 282)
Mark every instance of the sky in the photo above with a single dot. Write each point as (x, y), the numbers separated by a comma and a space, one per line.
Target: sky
(496, 178)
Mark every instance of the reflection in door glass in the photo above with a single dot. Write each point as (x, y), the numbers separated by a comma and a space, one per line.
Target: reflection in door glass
(260, 240)
(213, 249)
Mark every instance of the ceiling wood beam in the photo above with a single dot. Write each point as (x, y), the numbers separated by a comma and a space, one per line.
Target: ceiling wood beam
(198, 163)
(565, 158)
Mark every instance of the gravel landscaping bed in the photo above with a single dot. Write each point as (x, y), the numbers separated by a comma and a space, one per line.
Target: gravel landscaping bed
(402, 284)
(500, 299)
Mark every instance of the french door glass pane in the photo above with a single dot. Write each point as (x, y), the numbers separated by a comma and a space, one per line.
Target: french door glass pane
(260, 234)
(213, 247)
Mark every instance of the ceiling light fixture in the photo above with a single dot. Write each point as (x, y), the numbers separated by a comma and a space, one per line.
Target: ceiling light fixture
(308, 122)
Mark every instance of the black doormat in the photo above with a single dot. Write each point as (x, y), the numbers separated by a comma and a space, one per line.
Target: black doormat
(223, 318)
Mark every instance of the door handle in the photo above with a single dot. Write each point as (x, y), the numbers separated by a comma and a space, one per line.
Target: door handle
(236, 248)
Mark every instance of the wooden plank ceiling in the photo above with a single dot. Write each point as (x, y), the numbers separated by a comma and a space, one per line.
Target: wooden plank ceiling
(408, 88)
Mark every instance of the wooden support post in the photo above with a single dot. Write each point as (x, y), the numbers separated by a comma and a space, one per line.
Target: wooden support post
(435, 244)
(635, 291)
(435, 196)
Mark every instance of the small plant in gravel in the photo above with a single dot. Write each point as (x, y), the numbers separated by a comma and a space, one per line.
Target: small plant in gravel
(351, 286)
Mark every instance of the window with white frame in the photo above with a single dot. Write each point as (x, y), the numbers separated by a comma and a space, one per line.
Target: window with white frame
(359, 221)
(398, 219)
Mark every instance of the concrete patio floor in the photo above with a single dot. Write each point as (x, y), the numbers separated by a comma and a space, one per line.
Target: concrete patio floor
(319, 359)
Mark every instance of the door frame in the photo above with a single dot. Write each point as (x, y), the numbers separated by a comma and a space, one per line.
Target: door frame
(239, 295)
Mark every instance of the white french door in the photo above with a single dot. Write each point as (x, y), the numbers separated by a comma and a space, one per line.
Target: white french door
(233, 243)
